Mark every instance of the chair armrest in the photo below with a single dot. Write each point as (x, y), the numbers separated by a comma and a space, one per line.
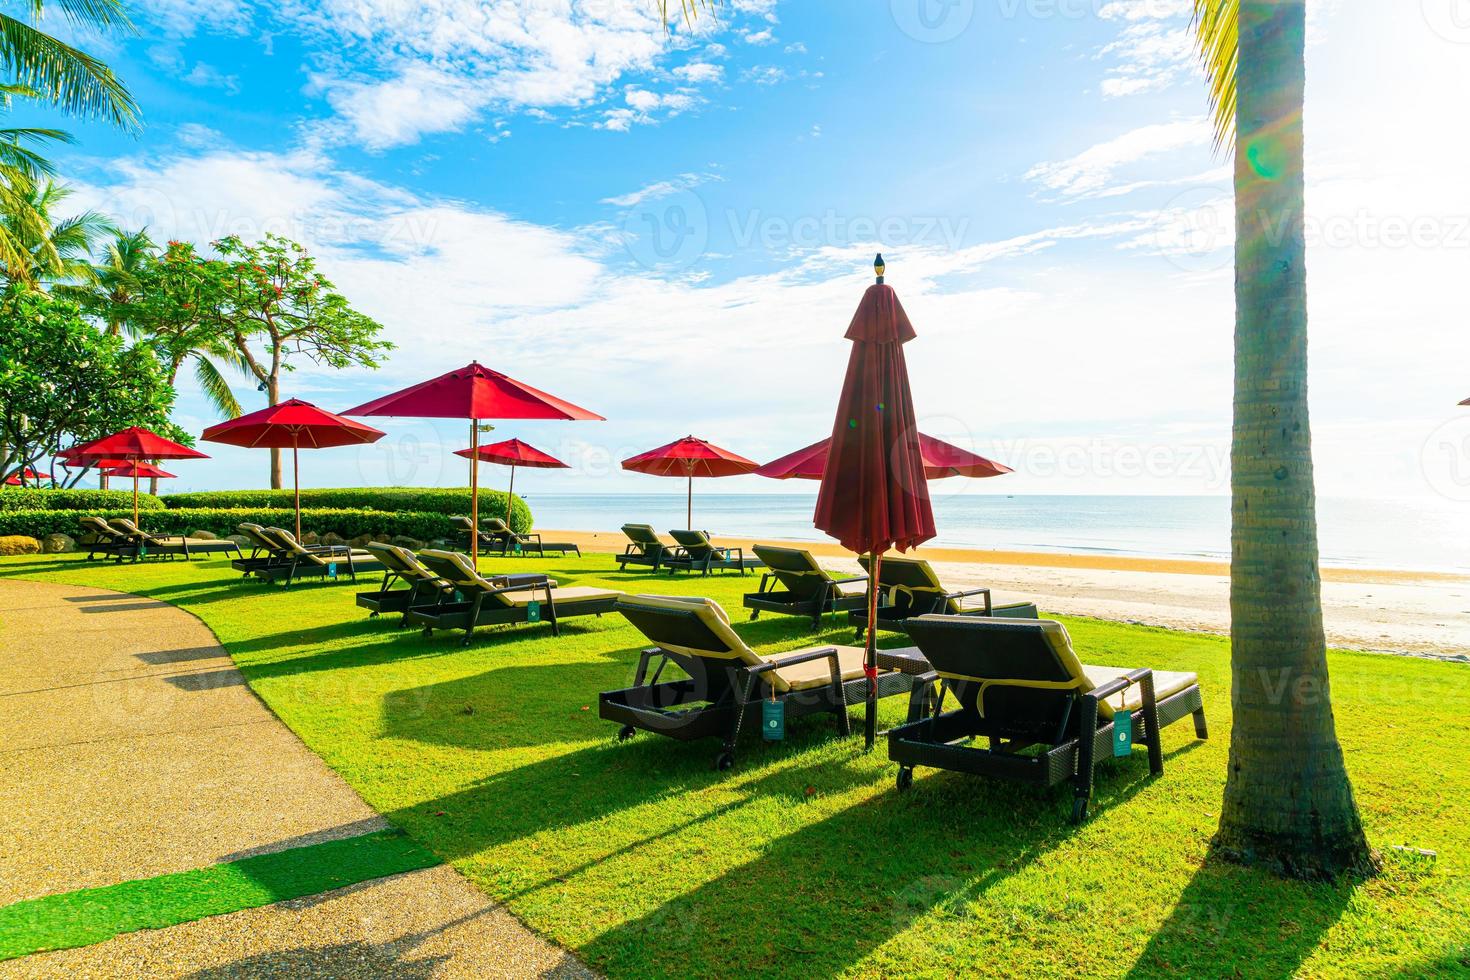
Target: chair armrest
(793, 660)
(1119, 684)
(919, 694)
(850, 581)
(968, 593)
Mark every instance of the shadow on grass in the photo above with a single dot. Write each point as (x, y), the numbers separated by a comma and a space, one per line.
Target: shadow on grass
(1235, 921)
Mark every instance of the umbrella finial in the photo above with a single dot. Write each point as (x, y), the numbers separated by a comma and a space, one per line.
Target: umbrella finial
(878, 268)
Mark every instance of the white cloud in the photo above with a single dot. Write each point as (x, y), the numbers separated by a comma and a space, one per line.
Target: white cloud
(759, 37)
(186, 18)
(699, 73)
(659, 189)
(1091, 172)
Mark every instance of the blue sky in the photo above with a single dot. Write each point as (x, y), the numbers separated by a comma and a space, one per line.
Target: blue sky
(673, 230)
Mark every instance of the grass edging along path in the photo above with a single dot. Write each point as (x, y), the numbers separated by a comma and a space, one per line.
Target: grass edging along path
(92, 915)
(803, 860)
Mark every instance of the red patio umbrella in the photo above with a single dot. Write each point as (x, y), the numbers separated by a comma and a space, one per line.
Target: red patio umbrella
(513, 453)
(474, 392)
(941, 459)
(131, 445)
(25, 476)
(874, 496)
(690, 457)
(291, 425)
(100, 465)
(142, 471)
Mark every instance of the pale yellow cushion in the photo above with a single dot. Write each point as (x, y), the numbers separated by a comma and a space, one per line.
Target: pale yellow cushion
(818, 673)
(1166, 683)
(578, 593)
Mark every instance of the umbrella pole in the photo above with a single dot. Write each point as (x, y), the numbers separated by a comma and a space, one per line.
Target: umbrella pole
(135, 493)
(689, 502)
(870, 654)
(296, 479)
(474, 493)
(510, 494)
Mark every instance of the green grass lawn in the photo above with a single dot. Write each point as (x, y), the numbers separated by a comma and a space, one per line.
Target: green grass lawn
(804, 860)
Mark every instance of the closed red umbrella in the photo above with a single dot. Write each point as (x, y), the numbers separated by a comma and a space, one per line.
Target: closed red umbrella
(293, 424)
(874, 495)
(141, 471)
(131, 445)
(690, 457)
(474, 392)
(513, 453)
(941, 459)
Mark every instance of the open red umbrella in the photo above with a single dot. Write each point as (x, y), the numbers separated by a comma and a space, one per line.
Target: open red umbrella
(141, 471)
(25, 476)
(513, 453)
(941, 459)
(690, 457)
(874, 496)
(476, 393)
(100, 465)
(292, 424)
(131, 445)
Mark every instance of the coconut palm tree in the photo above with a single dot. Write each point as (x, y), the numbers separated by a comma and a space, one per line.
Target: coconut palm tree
(113, 288)
(1288, 803)
(43, 249)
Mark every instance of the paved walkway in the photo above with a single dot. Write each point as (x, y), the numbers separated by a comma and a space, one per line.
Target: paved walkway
(131, 747)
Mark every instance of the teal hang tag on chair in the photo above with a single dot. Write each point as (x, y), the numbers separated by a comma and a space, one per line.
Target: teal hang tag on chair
(533, 611)
(331, 569)
(773, 720)
(1122, 733)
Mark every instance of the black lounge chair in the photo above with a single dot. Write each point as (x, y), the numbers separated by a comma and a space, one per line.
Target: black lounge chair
(1046, 716)
(808, 589)
(267, 550)
(100, 537)
(644, 547)
(507, 541)
(726, 678)
(908, 587)
(696, 553)
(421, 586)
(500, 601)
(137, 543)
(488, 541)
(327, 562)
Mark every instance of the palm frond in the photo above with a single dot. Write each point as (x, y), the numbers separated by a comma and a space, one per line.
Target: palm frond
(690, 9)
(1217, 35)
(91, 13)
(69, 78)
(215, 387)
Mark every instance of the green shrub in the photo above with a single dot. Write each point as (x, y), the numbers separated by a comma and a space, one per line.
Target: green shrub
(426, 500)
(37, 498)
(348, 523)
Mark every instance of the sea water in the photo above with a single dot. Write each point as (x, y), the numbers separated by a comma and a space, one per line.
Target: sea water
(1428, 534)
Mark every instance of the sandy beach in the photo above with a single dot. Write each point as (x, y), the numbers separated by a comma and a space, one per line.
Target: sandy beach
(1393, 611)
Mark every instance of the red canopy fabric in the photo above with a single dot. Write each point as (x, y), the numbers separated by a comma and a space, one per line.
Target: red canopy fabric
(144, 471)
(874, 496)
(474, 392)
(690, 457)
(132, 443)
(513, 452)
(292, 423)
(16, 479)
(941, 459)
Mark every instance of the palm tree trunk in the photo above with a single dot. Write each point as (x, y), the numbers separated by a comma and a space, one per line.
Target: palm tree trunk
(1288, 802)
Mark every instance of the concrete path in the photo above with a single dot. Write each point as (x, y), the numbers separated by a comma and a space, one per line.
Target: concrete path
(130, 747)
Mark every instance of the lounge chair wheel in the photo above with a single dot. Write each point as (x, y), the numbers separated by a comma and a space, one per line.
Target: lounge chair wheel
(1079, 810)
(723, 761)
(626, 732)
(905, 778)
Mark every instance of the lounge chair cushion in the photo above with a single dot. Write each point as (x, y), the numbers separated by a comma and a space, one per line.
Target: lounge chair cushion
(1166, 683)
(572, 593)
(818, 673)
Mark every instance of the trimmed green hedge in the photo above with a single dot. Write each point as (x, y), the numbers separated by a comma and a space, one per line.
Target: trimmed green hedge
(426, 500)
(36, 498)
(348, 523)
